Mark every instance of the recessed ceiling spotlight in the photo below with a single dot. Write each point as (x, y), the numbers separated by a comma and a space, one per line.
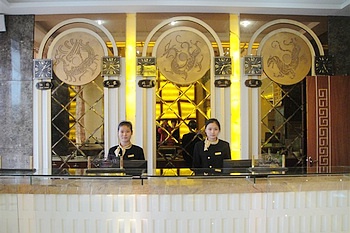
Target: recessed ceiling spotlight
(173, 23)
(99, 22)
(245, 23)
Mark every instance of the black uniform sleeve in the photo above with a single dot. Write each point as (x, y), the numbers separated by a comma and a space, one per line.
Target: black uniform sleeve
(226, 150)
(140, 154)
(197, 160)
(111, 154)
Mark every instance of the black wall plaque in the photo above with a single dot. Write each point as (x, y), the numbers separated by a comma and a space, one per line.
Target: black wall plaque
(44, 85)
(253, 83)
(111, 83)
(146, 83)
(222, 83)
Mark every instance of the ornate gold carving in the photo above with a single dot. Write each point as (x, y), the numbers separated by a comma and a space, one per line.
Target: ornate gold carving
(287, 58)
(183, 57)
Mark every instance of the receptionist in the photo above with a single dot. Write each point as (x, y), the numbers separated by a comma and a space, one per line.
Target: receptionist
(209, 155)
(125, 150)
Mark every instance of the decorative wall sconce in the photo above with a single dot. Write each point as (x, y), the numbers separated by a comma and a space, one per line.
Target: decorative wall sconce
(222, 68)
(42, 70)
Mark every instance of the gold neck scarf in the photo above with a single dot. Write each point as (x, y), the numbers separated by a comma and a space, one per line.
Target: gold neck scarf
(207, 143)
(122, 148)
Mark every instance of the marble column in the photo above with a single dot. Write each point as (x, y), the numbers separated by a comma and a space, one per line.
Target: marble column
(16, 114)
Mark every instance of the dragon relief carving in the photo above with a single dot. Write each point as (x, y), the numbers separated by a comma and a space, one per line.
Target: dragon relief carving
(77, 58)
(185, 57)
(291, 55)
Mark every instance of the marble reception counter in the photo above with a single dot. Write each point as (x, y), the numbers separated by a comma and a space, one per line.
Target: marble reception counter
(274, 203)
(171, 185)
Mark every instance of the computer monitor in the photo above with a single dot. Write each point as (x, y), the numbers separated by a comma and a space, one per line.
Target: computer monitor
(131, 167)
(236, 166)
(130, 164)
(135, 167)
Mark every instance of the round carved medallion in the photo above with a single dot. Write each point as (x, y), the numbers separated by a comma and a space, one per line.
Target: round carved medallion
(183, 57)
(286, 58)
(76, 56)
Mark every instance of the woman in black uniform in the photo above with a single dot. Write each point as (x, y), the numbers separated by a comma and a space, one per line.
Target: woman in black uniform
(208, 155)
(125, 150)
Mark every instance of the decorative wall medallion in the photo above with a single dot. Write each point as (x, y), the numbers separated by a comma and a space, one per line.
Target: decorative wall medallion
(253, 65)
(324, 65)
(76, 55)
(146, 66)
(222, 66)
(42, 68)
(287, 58)
(183, 57)
(110, 66)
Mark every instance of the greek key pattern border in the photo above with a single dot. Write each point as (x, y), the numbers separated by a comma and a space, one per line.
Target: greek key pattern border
(323, 132)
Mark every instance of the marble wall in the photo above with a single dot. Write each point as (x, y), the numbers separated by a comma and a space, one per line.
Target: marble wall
(16, 91)
(338, 43)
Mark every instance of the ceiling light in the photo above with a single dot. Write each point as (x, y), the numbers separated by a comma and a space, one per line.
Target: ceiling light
(99, 22)
(245, 23)
(173, 23)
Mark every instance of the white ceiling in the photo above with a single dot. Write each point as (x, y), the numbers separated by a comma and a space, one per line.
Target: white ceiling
(151, 12)
(296, 7)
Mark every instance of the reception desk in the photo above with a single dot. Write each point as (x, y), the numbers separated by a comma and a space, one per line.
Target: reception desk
(158, 204)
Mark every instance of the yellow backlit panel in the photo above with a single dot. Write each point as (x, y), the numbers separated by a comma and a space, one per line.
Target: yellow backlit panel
(235, 53)
(130, 51)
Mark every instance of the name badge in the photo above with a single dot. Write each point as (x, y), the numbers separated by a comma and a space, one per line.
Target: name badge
(218, 153)
(131, 156)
